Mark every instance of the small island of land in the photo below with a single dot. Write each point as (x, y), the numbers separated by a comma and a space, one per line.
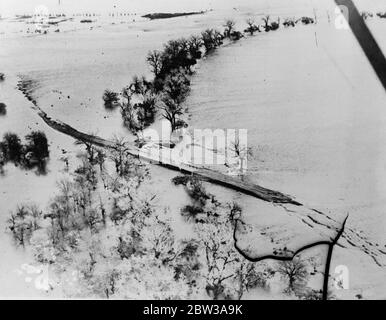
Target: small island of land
(153, 16)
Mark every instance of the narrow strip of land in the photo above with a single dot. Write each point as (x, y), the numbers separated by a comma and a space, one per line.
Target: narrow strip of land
(203, 173)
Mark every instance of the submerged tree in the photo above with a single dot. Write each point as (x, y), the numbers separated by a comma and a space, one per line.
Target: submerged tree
(211, 39)
(252, 28)
(138, 107)
(266, 23)
(12, 148)
(3, 109)
(229, 27)
(24, 222)
(154, 58)
(37, 148)
(110, 98)
(195, 43)
(176, 89)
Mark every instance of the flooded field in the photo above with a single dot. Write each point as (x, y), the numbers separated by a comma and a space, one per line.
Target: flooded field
(314, 110)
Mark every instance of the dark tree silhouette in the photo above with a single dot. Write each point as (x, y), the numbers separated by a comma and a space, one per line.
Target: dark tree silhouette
(295, 272)
(37, 146)
(154, 58)
(11, 147)
(252, 28)
(110, 98)
(3, 109)
(195, 44)
(266, 23)
(229, 27)
(176, 89)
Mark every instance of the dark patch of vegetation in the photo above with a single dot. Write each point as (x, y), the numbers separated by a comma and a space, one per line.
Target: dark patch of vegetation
(270, 26)
(229, 28)
(176, 89)
(3, 109)
(295, 273)
(196, 191)
(110, 98)
(180, 180)
(381, 15)
(365, 15)
(191, 212)
(153, 16)
(12, 148)
(211, 39)
(307, 20)
(33, 154)
(86, 21)
(193, 187)
(289, 22)
(252, 27)
(230, 31)
(23, 223)
(2, 76)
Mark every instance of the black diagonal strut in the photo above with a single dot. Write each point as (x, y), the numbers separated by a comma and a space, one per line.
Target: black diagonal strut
(366, 40)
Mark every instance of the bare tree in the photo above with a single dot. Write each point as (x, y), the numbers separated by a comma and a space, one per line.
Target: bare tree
(195, 43)
(118, 155)
(295, 272)
(154, 58)
(229, 27)
(251, 26)
(241, 152)
(266, 22)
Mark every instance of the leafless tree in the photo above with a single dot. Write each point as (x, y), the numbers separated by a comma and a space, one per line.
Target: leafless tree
(295, 272)
(154, 58)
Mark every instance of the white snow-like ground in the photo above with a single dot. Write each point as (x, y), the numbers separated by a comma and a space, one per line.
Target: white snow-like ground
(313, 108)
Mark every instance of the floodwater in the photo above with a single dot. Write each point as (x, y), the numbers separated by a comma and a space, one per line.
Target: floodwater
(313, 108)
(316, 120)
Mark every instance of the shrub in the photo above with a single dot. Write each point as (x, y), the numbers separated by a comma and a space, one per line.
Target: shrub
(37, 147)
(289, 22)
(190, 212)
(229, 28)
(307, 20)
(3, 109)
(195, 43)
(366, 15)
(196, 190)
(211, 39)
(381, 15)
(252, 27)
(110, 98)
(23, 223)
(146, 110)
(236, 35)
(180, 180)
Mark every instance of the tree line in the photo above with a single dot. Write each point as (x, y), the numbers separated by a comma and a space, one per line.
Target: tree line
(171, 68)
(33, 154)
